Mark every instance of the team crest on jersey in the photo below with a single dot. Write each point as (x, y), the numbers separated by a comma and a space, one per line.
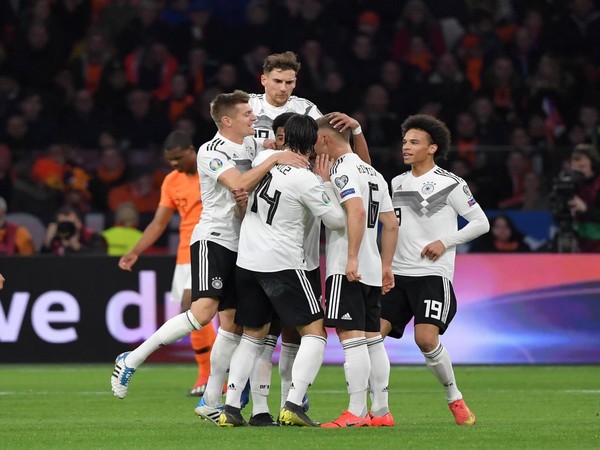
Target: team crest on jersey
(347, 192)
(342, 181)
(217, 283)
(467, 191)
(215, 164)
(325, 198)
(427, 188)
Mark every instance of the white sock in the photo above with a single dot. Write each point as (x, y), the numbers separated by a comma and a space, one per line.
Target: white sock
(260, 378)
(379, 376)
(286, 361)
(171, 331)
(220, 357)
(242, 363)
(357, 369)
(440, 365)
(306, 366)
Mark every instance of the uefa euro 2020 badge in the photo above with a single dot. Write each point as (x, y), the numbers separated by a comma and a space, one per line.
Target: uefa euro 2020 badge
(215, 164)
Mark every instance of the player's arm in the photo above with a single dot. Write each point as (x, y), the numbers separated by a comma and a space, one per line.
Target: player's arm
(341, 122)
(465, 205)
(356, 219)
(389, 238)
(477, 225)
(153, 231)
(234, 180)
(323, 203)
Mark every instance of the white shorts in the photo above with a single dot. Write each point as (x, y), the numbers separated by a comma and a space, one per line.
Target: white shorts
(182, 280)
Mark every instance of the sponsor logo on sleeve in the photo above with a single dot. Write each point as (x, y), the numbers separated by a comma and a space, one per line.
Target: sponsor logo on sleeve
(342, 181)
(472, 201)
(215, 164)
(347, 192)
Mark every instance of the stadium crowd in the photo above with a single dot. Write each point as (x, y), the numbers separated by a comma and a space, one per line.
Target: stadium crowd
(90, 89)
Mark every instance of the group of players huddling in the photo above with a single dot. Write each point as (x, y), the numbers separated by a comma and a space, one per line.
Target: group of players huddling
(276, 171)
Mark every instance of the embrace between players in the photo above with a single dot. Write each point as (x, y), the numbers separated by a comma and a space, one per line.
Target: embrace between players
(254, 256)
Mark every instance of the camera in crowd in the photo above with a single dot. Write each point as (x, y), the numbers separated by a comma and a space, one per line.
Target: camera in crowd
(65, 229)
(564, 188)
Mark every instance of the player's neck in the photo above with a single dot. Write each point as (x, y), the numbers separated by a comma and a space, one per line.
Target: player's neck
(422, 167)
(232, 136)
(338, 152)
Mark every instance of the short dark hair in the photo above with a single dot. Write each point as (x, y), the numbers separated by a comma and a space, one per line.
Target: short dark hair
(178, 139)
(281, 61)
(280, 120)
(436, 129)
(224, 103)
(301, 133)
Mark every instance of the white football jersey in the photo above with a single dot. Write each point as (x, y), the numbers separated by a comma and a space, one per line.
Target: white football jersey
(352, 177)
(428, 207)
(312, 227)
(272, 236)
(217, 221)
(266, 113)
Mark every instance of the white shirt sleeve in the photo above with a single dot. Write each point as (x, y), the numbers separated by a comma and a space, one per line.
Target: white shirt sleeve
(321, 201)
(466, 206)
(213, 164)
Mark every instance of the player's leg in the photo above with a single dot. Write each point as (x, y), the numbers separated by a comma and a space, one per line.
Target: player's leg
(171, 331)
(436, 311)
(395, 314)
(216, 279)
(290, 343)
(227, 340)
(201, 340)
(260, 378)
(298, 306)
(345, 310)
(254, 313)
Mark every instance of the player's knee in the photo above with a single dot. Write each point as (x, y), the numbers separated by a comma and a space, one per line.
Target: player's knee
(426, 343)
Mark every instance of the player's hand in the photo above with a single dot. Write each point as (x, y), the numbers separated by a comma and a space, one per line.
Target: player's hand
(2, 281)
(433, 251)
(322, 166)
(352, 270)
(270, 144)
(293, 159)
(387, 280)
(127, 261)
(342, 122)
(240, 196)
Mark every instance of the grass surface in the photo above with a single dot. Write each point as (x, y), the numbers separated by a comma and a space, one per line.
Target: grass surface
(71, 406)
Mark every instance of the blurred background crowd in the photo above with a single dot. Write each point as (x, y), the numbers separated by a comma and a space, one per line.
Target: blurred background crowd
(89, 89)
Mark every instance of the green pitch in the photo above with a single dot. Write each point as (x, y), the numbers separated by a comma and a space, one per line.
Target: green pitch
(71, 406)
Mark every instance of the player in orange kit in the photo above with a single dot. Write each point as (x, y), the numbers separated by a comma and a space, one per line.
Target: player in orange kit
(180, 192)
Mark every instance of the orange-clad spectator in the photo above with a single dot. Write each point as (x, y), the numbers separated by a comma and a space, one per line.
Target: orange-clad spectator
(60, 172)
(141, 191)
(152, 68)
(14, 239)
(180, 98)
(88, 67)
(180, 192)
